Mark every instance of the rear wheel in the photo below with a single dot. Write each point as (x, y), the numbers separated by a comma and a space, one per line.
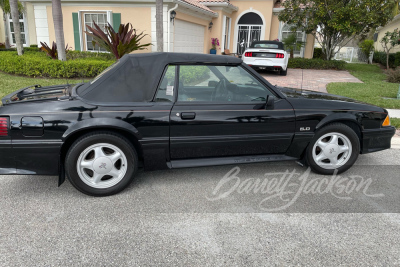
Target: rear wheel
(283, 72)
(334, 147)
(101, 163)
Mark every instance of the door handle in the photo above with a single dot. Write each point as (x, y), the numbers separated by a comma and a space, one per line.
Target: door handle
(188, 115)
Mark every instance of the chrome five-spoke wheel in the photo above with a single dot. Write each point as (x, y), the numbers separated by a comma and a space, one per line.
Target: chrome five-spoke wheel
(332, 150)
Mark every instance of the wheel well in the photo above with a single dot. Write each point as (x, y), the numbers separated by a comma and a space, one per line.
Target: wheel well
(353, 125)
(73, 137)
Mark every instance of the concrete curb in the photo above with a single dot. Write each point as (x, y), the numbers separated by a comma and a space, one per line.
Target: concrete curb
(396, 142)
(394, 113)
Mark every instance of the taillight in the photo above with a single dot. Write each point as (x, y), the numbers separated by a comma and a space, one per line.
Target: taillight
(3, 127)
(248, 54)
(280, 56)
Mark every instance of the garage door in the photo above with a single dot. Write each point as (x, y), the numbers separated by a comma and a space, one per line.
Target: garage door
(188, 37)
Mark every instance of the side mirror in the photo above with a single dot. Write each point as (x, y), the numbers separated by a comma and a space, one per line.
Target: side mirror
(212, 83)
(270, 102)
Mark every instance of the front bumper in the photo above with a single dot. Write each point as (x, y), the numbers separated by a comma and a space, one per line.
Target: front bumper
(377, 139)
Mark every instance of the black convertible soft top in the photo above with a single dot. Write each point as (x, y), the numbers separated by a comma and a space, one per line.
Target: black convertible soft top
(134, 78)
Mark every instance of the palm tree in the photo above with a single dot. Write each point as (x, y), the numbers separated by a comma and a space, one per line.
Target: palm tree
(5, 6)
(59, 29)
(159, 25)
(17, 29)
(292, 44)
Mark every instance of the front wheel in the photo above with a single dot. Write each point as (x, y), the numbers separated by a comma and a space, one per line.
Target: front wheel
(101, 163)
(334, 147)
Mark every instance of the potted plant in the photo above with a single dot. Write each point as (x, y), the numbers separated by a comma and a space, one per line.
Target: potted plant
(214, 44)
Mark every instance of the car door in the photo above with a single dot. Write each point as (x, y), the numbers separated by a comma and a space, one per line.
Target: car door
(221, 111)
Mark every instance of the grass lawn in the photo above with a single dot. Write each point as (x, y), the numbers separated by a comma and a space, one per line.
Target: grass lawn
(395, 122)
(372, 90)
(10, 83)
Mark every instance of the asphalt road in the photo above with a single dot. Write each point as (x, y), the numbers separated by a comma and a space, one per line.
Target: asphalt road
(195, 217)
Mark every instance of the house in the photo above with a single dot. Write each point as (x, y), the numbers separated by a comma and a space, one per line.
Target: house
(380, 33)
(189, 25)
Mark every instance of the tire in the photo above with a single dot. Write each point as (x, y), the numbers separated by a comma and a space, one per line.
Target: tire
(325, 149)
(283, 72)
(101, 163)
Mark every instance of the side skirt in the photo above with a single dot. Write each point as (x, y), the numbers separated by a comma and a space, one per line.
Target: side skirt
(187, 163)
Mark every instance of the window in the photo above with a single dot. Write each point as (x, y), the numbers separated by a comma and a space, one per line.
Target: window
(227, 32)
(219, 84)
(101, 20)
(165, 92)
(21, 26)
(287, 30)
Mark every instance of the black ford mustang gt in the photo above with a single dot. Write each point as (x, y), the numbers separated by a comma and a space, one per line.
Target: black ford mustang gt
(172, 110)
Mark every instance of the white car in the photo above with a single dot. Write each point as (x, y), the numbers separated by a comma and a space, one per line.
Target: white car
(267, 55)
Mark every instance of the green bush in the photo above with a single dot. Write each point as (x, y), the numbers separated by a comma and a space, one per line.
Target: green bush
(72, 54)
(38, 64)
(315, 63)
(318, 53)
(34, 45)
(394, 59)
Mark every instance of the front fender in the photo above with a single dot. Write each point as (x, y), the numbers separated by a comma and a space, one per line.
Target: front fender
(339, 117)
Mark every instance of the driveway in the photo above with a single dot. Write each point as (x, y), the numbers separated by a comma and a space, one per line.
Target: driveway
(315, 80)
(174, 218)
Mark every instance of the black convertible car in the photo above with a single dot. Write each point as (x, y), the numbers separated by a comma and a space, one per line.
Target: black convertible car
(172, 110)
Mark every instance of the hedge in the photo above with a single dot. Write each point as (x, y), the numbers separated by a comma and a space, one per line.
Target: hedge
(394, 59)
(38, 64)
(318, 64)
(318, 53)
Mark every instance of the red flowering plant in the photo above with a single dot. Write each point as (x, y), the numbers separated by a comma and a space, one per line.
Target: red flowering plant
(214, 43)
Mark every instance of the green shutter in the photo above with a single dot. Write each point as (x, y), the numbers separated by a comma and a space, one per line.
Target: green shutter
(116, 20)
(77, 38)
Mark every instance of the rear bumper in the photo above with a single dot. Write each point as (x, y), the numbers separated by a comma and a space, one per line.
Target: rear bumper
(266, 64)
(377, 139)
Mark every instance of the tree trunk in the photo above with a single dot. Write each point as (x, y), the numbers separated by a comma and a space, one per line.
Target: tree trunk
(17, 30)
(7, 41)
(291, 53)
(387, 61)
(59, 29)
(159, 25)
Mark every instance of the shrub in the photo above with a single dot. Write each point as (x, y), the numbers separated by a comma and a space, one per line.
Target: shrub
(318, 64)
(318, 53)
(393, 76)
(36, 64)
(118, 43)
(34, 46)
(367, 46)
(394, 59)
(72, 54)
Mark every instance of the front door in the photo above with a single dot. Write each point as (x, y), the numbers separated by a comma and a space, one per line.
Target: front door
(246, 35)
(220, 111)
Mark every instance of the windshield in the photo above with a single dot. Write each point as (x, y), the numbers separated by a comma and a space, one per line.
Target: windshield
(104, 72)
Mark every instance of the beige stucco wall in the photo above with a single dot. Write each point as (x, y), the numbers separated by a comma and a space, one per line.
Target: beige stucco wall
(2, 32)
(395, 24)
(274, 27)
(139, 17)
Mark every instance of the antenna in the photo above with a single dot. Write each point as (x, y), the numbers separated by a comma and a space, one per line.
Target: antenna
(302, 79)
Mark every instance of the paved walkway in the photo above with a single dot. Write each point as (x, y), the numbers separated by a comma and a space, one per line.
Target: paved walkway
(315, 80)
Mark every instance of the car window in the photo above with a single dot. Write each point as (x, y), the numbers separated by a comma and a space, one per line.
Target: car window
(219, 84)
(271, 46)
(165, 92)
